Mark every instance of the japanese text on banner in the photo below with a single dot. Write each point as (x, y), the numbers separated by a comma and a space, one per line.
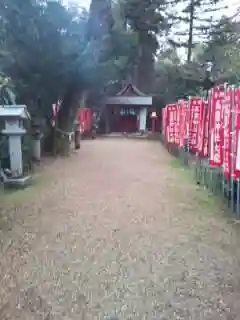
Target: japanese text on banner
(196, 109)
(216, 127)
(183, 122)
(236, 133)
(172, 109)
(228, 128)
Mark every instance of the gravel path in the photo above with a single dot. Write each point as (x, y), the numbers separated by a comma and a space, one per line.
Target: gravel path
(117, 232)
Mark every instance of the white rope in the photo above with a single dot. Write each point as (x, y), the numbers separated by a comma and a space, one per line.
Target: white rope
(65, 133)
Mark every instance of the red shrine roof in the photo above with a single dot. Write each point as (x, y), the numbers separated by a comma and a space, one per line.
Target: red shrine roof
(130, 90)
(130, 95)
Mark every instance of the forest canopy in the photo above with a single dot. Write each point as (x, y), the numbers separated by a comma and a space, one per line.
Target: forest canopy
(51, 52)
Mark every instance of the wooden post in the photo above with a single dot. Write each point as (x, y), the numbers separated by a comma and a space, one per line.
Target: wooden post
(77, 136)
(36, 142)
(154, 120)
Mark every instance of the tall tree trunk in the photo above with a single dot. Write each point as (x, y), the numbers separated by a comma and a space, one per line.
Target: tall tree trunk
(190, 32)
(66, 117)
(145, 65)
(145, 72)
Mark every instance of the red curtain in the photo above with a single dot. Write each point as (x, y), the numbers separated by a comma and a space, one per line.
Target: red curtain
(128, 124)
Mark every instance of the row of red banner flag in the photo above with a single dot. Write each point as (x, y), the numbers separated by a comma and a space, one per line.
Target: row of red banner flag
(211, 129)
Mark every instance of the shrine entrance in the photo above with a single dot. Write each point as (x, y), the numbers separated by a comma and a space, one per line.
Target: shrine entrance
(128, 110)
(124, 119)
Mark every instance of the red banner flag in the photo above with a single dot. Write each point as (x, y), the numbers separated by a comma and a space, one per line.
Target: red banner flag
(172, 123)
(228, 128)
(55, 110)
(177, 137)
(216, 127)
(182, 122)
(196, 107)
(202, 144)
(206, 129)
(56, 107)
(236, 133)
(167, 123)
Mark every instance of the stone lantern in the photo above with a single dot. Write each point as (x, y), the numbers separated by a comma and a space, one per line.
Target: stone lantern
(13, 116)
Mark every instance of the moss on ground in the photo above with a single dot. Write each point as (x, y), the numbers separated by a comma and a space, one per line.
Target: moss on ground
(13, 197)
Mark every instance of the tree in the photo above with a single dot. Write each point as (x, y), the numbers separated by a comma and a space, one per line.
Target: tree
(115, 46)
(45, 52)
(42, 51)
(52, 52)
(171, 81)
(197, 16)
(223, 50)
(147, 19)
(7, 96)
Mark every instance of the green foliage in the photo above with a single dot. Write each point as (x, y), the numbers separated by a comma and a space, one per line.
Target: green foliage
(170, 85)
(7, 97)
(147, 19)
(146, 16)
(43, 42)
(46, 48)
(6, 91)
(192, 22)
(50, 51)
(223, 49)
(116, 46)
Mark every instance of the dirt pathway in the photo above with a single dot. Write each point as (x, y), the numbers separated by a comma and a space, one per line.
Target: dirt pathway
(117, 231)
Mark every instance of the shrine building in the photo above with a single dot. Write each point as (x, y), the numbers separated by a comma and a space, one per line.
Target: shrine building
(129, 110)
